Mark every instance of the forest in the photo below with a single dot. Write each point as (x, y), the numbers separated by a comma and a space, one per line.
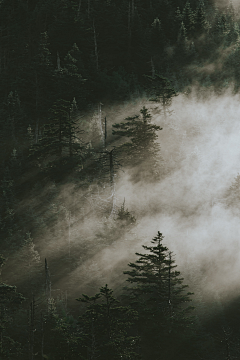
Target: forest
(119, 179)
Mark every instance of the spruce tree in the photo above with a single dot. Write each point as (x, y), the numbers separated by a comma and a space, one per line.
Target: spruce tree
(200, 18)
(106, 327)
(10, 302)
(161, 91)
(160, 298)
(143, 149)
(61, 138)
(189, 18)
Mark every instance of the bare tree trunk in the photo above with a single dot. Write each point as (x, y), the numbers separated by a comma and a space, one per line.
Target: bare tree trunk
(1, 346)
(68, 217)
(131, 13)
(42, 340)
(0, 51)
(47, 281)
(93, 345)
(88, 10)
(132, 9)
(60, 148)
(100, 121)
(79, 8)
(66, 299)
(36, 109)
(112, 183)
(164, 108)
(111, 166)
(95, 45)
(129, 29)
(153, 68)
(70, 143)
(105, 135)
(169, 284)
(5, 59)
(58, 62)
(31, 328)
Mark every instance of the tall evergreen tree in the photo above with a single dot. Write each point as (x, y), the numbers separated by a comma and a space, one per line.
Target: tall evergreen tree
(143, 149)
(160, 298)
(10, 302)
(106, 328)
(161, 90)
(61, 138)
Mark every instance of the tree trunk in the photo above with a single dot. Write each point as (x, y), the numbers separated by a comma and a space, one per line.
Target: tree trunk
(105, 135)
(79, 8)
(95, 45)
(153, 68)
(100, 121)
(36, 110)
(31, 328)
(47, 281)
(88, 9)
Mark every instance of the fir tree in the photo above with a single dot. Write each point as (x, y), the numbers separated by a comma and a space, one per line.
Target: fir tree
(189, 18)
(200, 18)
(10, 302)
(143, 148)
(106, 326)
(161, 90)
(60, 139)
(159, 296)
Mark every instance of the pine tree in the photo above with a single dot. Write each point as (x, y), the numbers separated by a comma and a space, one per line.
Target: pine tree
(160, 298)
(142, 148)
(161, 90)
(106, 326)
(189, 18)
(60, 139)
(200, 18)
(10, 302)
(68, 78)
(60, 339)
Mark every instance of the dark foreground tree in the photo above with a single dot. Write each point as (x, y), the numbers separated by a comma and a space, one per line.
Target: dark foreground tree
(106, 328)
(160, 298)
(10, 302)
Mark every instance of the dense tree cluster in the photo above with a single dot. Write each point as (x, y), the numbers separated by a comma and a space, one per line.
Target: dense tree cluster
(59, 60)
(143, 323)
(92, 50)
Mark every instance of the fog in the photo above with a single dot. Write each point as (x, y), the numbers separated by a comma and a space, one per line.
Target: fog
(191, 204)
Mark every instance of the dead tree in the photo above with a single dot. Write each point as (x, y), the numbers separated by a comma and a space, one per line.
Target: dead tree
(32, 328)
(105, 134)
(47, 281)
(95, 45)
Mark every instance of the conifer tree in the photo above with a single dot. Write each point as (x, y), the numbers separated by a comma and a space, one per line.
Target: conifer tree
(10, 302)
(60, 138)
(68, 78)
(200, 18)
(161, 90)
(143, 147)
(159, 296)
(189, 18)
(106, 327)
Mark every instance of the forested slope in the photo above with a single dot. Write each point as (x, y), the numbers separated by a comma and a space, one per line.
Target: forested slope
(107, 127)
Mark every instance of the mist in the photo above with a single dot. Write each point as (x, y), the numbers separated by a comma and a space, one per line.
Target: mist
(190, 204)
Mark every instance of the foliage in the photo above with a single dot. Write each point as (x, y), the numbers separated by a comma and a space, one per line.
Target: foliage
(106, 326)
(143, 149)
(160, 297)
